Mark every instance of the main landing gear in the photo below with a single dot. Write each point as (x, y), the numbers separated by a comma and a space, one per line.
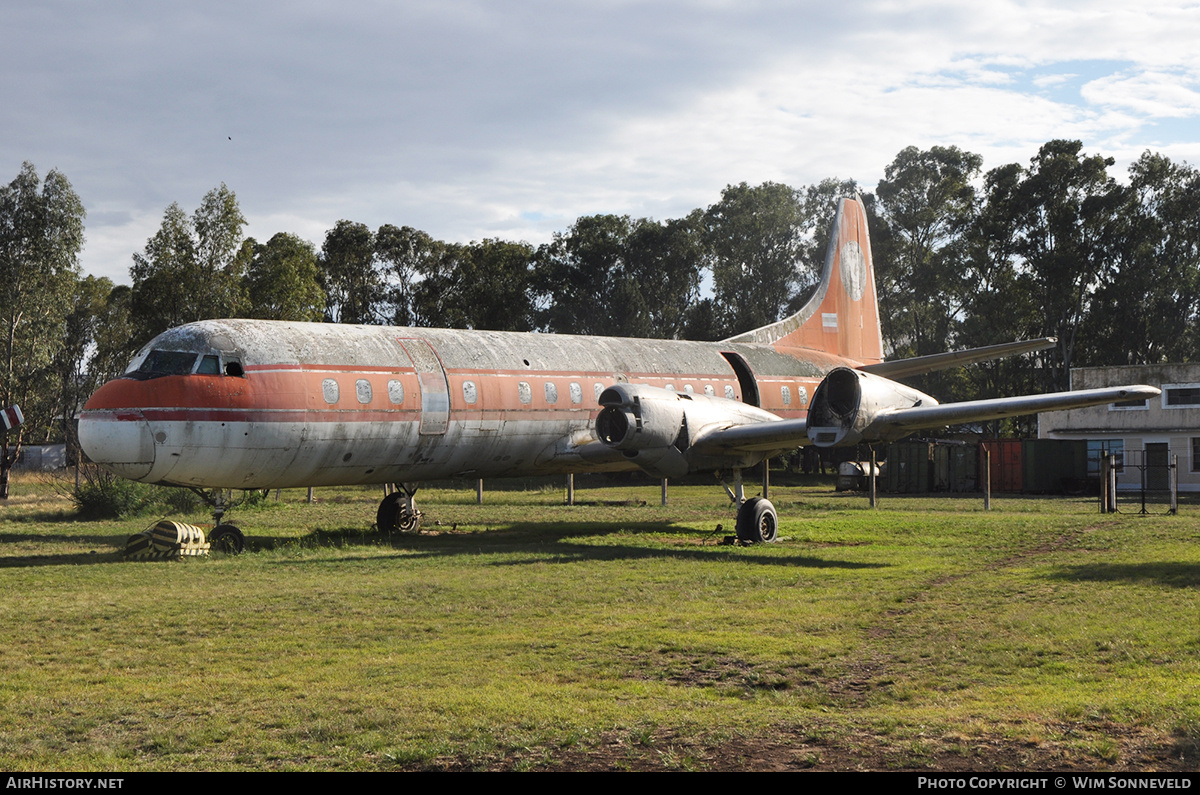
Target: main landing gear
(398, 511)
(757, 522)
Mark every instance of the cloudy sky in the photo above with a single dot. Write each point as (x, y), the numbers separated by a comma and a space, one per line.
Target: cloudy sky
(471, 119)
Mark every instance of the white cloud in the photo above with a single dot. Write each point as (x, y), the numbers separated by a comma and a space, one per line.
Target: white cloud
(1151, 94)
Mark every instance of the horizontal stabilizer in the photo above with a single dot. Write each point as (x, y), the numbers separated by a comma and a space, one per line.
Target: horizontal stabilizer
(943, 361)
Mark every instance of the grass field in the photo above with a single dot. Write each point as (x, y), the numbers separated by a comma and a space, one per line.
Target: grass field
(617, 634)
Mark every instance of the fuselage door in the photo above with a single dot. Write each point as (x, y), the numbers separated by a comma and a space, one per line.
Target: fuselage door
(745, 377)
(435, 389)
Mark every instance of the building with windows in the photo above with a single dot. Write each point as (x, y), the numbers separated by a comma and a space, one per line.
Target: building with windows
(1140, 433)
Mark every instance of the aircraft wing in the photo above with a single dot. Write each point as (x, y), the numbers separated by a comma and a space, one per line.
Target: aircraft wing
(755, 438)
(669, 434)
(871, 422)
(851, 406)
(918, 417)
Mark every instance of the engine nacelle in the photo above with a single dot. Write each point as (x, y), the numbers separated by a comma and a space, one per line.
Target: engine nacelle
(655, 427)
(846, 406)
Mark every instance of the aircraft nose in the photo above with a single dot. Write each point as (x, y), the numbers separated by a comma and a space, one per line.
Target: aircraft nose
(118, 439)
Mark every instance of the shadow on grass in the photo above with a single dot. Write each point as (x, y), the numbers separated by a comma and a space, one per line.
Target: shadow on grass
(105, 549)
(553, 543)
(1177, 575)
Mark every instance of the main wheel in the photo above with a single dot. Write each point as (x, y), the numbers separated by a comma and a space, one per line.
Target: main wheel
(227, 538)
(757, 521)
(395, 517)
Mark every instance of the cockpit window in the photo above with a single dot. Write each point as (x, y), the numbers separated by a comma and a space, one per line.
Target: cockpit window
(167, 363)
(159, 363)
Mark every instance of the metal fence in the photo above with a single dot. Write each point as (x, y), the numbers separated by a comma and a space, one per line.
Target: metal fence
(1154, 475)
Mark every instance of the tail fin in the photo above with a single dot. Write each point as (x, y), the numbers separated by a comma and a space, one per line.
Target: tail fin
(842, 316)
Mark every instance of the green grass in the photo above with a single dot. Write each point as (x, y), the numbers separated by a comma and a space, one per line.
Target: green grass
(617, 634)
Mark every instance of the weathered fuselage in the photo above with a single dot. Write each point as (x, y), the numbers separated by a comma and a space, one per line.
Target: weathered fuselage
(260, 404)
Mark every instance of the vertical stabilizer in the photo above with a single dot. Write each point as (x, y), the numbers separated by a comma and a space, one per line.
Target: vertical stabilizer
(842, 316)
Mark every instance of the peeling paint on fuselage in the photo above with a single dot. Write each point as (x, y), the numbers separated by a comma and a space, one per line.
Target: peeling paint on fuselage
(519, 404)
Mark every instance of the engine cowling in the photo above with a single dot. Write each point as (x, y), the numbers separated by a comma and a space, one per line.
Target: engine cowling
(848, 407)
(655, 428)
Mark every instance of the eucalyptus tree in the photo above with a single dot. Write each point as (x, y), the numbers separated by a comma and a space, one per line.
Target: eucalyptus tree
(925, 202)
(617, 276)
(74, 379)
(579, 278)
(113, 335)
(479, 285)
(1145, 307)
(663, 262)
(755, 238)
(1061, 210)
(190, 269)
(407, 256)
(281, 279)
(354, 287)
(41, 234)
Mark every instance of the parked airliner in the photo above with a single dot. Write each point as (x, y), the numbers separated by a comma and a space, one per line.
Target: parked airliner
(254, 404)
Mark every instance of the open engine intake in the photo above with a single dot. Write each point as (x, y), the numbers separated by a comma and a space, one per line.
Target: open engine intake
(655, 428)
(848, 405)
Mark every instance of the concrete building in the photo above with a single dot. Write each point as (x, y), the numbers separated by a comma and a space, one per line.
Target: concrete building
(42, 457)
(1139, 432)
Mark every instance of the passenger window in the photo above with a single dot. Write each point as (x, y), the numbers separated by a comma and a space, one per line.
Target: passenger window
(708, 390)
(576, 393)
(362, 390)
(786, 393)
(209, 365)
(395, 391)
(551, 393)
(469, 392)
(688, 388)
(598, 388)
(524, 392)
(729, 393)
(329, 388)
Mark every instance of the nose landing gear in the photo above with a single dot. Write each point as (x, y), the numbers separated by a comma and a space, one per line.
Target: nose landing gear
(223, 537)
(227, 538)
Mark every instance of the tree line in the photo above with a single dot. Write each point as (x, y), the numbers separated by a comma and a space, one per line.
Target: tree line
(963, 258)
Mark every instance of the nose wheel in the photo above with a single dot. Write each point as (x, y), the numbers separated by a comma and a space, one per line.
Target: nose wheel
(223, 537)
(227, 538)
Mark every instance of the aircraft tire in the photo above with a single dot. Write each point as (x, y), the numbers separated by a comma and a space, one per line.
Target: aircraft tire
(227, 538)
(393, 515)
(757, 522)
